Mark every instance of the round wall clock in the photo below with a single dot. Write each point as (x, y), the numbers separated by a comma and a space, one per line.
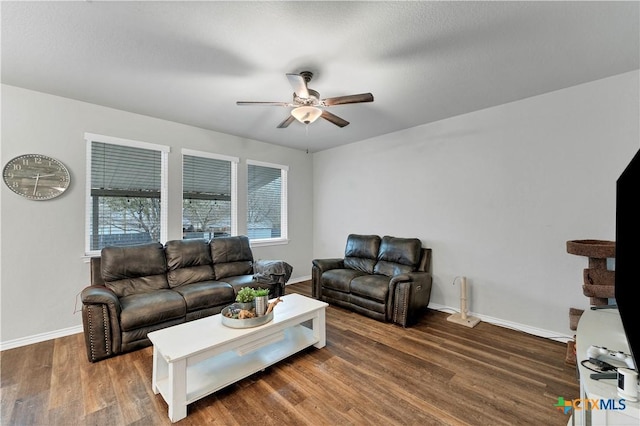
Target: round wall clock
(36, 177)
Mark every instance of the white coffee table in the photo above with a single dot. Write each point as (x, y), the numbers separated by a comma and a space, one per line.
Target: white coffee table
(197, 358)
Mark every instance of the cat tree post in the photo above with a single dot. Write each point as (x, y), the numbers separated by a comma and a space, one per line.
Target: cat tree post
(598, 280)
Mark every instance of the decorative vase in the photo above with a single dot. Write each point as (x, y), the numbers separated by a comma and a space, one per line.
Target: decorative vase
(260, 303)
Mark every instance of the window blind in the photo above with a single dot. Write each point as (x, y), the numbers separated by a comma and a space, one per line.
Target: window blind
(125, 187)
(206, 178)
(207, 193)
(266, 211)
(118, 170)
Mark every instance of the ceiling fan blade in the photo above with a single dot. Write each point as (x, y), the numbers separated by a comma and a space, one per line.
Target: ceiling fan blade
(286, 122)
(351, 99)
(263, 103)
(334, 119)
(299, 85)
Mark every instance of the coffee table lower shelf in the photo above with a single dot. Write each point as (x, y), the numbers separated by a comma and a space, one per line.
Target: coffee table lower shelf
(222, 370)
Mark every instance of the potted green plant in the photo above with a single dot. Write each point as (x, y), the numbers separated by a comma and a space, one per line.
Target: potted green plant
(245, 298)
(261, 292)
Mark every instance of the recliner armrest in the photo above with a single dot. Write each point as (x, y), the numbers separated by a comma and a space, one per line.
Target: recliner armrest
(319, 266)
(100, 295)
(100, 320)
(411, 276)
(327, 264)
(419, 285)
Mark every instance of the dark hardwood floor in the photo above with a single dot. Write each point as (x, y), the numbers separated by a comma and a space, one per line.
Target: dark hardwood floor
(369, 373)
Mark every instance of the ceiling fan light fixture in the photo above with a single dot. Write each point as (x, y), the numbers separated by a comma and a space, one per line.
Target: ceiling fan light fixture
(306, 114)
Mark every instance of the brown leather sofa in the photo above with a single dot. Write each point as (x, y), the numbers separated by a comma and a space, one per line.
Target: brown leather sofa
(138, 289)
(386, 278)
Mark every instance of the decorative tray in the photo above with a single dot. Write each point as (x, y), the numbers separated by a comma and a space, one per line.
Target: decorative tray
(243, 323)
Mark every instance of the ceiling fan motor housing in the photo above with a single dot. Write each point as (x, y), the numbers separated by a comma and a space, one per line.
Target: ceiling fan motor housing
(313, 99)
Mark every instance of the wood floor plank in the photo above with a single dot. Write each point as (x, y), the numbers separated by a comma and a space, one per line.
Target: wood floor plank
(433, 373)
(98, 392)
(131, 390)
(65, 380)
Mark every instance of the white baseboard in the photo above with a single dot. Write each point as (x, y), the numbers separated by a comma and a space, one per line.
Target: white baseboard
(299, 280)
(547, 334)
(37, 338)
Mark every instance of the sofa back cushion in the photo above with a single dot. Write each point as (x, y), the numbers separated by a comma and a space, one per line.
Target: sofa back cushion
(188, 261)
(231, 256)
(398, 256)
(134, 269)
(361, 252)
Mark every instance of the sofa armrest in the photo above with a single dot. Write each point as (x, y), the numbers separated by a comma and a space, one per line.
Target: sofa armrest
(319, 266)
(416, 277)
(101, 322)
(99, 295)
(327, 264)
(409, 295)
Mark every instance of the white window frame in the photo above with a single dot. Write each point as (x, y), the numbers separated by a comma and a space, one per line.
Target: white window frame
(284, 202)
(234, 181)
(164, 208)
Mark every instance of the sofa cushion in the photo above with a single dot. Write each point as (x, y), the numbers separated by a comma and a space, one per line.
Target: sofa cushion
(206, 294)
(224, 270)
(231, 256)
(398, 256)
(188, 261)
(134, 269)
(374, 287)
(361, 252)
(142, 310)
(240, 281)
(339, 279)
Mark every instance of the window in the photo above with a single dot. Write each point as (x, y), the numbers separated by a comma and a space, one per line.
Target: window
(266, 202)
(126, 186)
(209, 195)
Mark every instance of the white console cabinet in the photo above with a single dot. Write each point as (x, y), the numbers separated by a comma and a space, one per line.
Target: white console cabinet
(602, 327)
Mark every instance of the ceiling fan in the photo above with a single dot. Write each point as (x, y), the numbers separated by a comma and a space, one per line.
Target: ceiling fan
(307, 105)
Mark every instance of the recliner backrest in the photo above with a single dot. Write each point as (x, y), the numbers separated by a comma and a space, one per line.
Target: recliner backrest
(361, 252)
(231, 256)
(188, 261)
(134, 269)
(398, 256)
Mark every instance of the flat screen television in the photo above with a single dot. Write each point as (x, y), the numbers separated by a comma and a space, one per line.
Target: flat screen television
(627, 257)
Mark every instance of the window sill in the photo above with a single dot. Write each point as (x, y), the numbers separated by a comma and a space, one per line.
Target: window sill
(86, 258)
(269, 242)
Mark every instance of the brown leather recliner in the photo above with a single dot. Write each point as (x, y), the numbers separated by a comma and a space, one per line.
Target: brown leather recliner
(387, 278)
(138, 289)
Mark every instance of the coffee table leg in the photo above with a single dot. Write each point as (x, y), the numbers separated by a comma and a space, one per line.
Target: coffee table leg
(319, 329)
(157, 359)
(177, 398)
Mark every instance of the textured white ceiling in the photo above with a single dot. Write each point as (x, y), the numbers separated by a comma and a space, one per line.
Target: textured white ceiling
(423, 61)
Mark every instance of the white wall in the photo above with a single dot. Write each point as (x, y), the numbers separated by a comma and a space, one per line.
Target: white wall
(495, 193)
(42, 245)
